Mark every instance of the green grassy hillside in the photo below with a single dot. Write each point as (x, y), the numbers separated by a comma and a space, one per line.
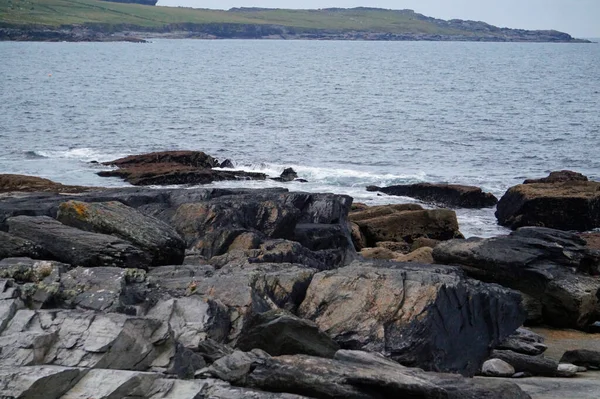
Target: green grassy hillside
(76, 12)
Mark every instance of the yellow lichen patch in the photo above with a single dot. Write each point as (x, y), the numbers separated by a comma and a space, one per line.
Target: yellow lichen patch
(80, 208)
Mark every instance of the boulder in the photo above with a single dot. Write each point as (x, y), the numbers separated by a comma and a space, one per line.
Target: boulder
(452, 195)
(423, 255)
(558, 177)
(566, 370)
(21, 183)
(279, 332)
(378, 253)
(405, 223)
(351, 374)
(557, 202)
(287, 175)
(113, 218)
(16, 247)
(533, 365)
(592, 240)
(77, 247)
(551, 266)
(525, 342)
(497, 368)
(48, 382)
(400, 247)
(173, 167)
(582, 357)
(419, 315)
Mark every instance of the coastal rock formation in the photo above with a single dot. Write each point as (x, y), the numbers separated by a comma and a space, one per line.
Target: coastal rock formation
(582, 357)
(403, 310)
(20, 183)
(77, 247)
(553, 267)
(452, 195)
(266, 270)
(565, 200)
(114, 218)
(173, 167)
(404, 223)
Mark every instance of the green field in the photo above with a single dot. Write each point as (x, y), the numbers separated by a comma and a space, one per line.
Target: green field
(54, 13)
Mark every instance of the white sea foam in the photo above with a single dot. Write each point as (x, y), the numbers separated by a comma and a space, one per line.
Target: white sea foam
(84, 154)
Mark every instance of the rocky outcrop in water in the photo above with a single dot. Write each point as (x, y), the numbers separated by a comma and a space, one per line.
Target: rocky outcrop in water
(173, 167)
(452, 195)
(565, 200)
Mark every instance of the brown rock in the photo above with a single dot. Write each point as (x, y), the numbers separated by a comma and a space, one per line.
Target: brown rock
(378, 253)
(569, 205)
(592, 240)
(400, 247)
(424, 242)
(445, 194)
(422, 255)
(559, 177)
(357, 237)
(173, 167)
(405, 223)
(14, 183)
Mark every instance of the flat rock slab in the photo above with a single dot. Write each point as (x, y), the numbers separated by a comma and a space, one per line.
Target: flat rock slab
(583, 386)
(77, 247)
(453, 195)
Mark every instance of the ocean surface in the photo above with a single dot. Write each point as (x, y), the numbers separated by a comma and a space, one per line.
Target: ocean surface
(344, 115)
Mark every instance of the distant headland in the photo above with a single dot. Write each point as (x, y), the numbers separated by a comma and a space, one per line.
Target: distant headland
(136, 20)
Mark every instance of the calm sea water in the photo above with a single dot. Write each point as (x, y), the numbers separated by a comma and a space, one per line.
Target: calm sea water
(344, 114)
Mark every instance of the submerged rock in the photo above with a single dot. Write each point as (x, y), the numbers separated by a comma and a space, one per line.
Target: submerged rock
(452, 195)
(287, 175)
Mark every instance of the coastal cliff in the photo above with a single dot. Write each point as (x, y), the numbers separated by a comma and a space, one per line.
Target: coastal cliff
(94, 20)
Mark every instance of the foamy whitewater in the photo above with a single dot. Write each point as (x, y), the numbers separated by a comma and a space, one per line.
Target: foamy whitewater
(344, 115)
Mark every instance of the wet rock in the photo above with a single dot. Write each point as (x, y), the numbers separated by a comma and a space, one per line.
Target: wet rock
(351, 374)
(16, 247)
(419, 315)
(287, 175)
(534, 365)
(20, 183)
(196, 159)
(227, 164)
(452, 195)
(557, 202)
(279, 332)
(549, 265)
(525, 342)
(77, 247)
(404, 223)
(497, 368)
(582, 357)
(173, 167)
(114, 218)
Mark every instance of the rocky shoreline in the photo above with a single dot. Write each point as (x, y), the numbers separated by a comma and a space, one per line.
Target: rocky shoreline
(238, 293)
(213, 31)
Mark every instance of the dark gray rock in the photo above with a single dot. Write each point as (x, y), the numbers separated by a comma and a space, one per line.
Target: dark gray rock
(279, 332)
(17, 247)
(351, 374)
(582, 357)
(452, 195)
(77, 247)
(525, 342)
(534, 365)
(552, 266)
(114, 218)
(419, 315)
(287, 175)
